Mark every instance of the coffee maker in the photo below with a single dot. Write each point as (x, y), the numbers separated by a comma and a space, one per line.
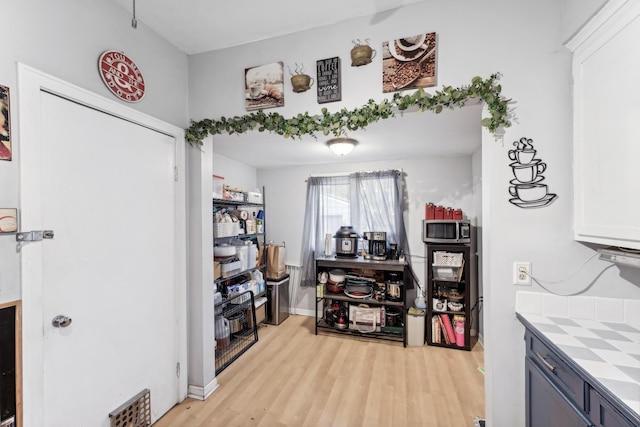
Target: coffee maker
(377, 245)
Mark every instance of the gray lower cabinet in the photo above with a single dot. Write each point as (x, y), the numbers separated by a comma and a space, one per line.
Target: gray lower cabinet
(559, 394)
(547, 406)
(603, 413)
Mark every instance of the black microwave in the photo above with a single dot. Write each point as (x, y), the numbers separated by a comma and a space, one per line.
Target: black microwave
(446, 231)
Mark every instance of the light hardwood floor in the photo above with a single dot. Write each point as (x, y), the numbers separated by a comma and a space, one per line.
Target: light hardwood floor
(292, 377)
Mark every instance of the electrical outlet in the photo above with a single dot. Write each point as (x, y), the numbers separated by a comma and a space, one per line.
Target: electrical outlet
(522, 273)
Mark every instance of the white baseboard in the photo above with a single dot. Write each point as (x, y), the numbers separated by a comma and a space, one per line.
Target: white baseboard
(201, 393)
(302, 312)
(481, 340)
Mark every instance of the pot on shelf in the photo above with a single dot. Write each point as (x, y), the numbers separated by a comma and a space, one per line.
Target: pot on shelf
(337, 275)
(236, 323)
(335, 288)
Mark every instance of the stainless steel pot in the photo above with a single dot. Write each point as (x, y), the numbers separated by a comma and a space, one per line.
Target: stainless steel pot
(236, 323)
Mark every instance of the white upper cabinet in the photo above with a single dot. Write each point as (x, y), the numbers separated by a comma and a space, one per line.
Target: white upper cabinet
(606, 128)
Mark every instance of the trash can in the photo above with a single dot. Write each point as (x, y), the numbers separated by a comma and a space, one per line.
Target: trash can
(278, 300)
(415, 328)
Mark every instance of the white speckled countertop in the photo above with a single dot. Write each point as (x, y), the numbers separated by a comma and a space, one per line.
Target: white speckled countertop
(609, 351)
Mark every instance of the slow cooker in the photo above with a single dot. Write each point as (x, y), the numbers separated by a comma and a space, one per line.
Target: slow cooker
(346, 242)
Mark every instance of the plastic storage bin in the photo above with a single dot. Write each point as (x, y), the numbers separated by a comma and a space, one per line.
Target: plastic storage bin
(415, 330)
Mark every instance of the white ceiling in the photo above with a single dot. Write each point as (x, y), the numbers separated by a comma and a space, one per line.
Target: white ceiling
(196, 26)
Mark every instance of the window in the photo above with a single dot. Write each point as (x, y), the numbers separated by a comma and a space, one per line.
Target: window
(368, 201)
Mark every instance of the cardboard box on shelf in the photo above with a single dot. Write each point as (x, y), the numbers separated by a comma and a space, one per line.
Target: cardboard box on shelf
(217, 271)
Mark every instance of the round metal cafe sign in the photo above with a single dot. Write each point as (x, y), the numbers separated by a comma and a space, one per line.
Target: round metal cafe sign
(121, 75)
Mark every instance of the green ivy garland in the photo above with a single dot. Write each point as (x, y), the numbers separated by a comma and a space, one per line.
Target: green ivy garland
(338, 123)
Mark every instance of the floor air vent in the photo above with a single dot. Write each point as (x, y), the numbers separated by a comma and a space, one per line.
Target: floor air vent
(136, 412)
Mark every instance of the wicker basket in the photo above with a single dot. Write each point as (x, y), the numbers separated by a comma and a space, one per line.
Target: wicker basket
(448, 272)
(447, 259)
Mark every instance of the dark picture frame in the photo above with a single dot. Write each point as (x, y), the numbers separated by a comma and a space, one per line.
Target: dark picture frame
(6, 152)
(328, 80)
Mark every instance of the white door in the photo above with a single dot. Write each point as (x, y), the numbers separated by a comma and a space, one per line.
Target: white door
(107, 189)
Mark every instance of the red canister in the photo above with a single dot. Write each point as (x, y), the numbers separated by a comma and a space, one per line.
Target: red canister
(430, 211)
(439, 212)
(448, 213)
(457, 214)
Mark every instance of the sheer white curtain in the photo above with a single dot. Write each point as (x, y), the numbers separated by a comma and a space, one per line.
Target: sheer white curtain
(377, 205)
(327, 209)
(369, 201)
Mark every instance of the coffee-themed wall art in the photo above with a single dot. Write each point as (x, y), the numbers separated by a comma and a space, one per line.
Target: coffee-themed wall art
(328, 80)
(361, 53)
(5, 125)
(300, 82)
(8, 220)
(409, 62)
(264, 86)
(528, 189)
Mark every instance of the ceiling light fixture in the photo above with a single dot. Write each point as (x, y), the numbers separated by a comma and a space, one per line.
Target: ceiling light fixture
(134, 22)
(342, 146)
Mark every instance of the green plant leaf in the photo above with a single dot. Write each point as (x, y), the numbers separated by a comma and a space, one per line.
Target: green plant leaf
(360, 118)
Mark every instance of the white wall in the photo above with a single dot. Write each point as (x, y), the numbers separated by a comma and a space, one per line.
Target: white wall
(476, 172)
(523, 41)
(65, 39)
(235, 174)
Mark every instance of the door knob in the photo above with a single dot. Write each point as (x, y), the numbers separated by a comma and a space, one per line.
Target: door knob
(61, 321)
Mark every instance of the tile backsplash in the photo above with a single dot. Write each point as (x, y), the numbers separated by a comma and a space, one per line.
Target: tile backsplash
(601, 309)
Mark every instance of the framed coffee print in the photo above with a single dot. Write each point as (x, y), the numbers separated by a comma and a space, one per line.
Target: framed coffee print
(264, 86)
(5, 125)
(409, 62)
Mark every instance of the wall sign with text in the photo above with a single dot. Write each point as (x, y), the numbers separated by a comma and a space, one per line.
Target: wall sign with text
(121, 75)
(328, 80)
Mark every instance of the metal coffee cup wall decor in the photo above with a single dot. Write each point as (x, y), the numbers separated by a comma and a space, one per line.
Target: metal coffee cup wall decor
(527, 189)
(409, 62)
(361, 53)
(300, 82)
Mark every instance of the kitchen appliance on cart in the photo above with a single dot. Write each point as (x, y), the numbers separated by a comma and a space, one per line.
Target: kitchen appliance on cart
(449, 231)
(346, 242)
(394, 286)
(377, 245)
